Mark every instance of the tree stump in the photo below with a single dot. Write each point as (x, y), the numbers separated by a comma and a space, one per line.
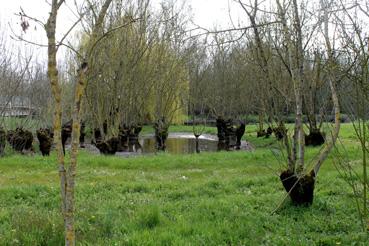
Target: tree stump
(161, 133)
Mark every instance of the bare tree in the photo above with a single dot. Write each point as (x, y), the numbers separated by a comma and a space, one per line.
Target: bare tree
(119, 81)
(198, 109)
(354, 92)
(67, 173)
(295, 180)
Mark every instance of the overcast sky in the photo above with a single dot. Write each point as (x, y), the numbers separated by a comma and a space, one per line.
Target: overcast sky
(206, 13)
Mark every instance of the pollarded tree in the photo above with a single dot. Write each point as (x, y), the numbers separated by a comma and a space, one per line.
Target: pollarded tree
(139, 75)
(169, 93)
(198, 98)
(298, 179)
(116, 94)
(315, 97)
(228, 89)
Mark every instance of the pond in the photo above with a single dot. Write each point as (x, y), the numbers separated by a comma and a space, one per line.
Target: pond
(180, 143)
(177, 143)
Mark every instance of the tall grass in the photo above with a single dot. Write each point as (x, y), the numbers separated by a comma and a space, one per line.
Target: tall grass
(222, 198)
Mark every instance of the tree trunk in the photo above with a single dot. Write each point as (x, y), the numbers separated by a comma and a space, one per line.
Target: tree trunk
(67, 179)
(71, 174)
(291, 150)
(197, 147)
(332, 80)
(2, 140)
(52, 73)
(298, 82)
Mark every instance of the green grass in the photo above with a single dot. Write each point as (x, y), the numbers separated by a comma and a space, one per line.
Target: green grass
(223, 198)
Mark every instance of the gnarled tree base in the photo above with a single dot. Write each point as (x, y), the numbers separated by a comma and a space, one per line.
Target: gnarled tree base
(108, 147)
(128, 137)
(161, 134)
(20, 140)
(315, 138)
(301, 190)
(2, 141)
(45, 138)
(229, 135)
(160, 139)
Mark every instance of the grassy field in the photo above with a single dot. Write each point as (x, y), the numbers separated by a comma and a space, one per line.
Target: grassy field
(223, 198)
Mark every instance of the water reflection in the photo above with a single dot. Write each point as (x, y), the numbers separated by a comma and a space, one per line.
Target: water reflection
(179, 145)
